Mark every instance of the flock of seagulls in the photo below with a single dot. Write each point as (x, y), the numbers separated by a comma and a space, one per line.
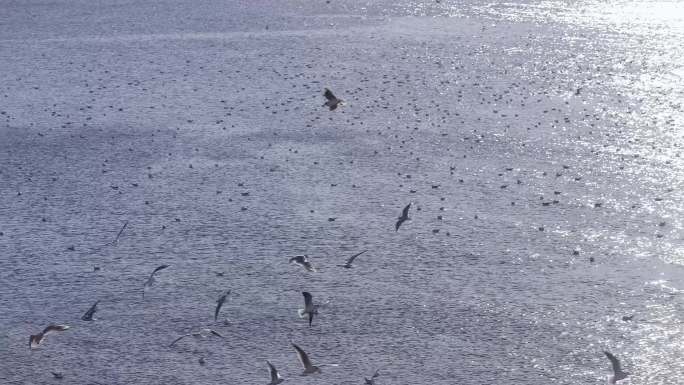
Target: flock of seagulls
(309, 311)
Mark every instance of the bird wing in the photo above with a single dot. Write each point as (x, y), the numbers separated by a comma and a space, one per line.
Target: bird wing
(274, 372)
(404, 213)
(178, 339)
(162, 267)
(54, 328)
(148, 283)
(308, 300)
(353, 257)
(329, 95)
(614, 361)
(398, 224)
(214, 332)
(219, 304)
(303, 358)
(298, 259)
(88, 316)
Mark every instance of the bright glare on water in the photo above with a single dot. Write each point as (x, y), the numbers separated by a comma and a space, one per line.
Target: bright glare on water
(539, 142)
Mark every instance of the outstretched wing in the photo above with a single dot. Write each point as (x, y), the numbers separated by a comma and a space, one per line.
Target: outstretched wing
(303, 357)
(329, 95)
(398, 224)
(614, 361)
(353, 257)
(88, 316)
(214, 332)
(162, 267)
(274, 373)
(219, 304)
(404, 213)
(54, 328)
(178, 339)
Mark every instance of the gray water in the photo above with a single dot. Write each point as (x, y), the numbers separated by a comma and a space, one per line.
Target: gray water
(154, 112)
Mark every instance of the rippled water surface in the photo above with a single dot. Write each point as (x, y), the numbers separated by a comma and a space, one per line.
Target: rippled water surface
(531, 137)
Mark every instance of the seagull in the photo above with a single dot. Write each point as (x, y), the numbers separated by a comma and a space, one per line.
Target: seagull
(219, 303)
(306, 362)
(88, 316)
(371, 381)
(116, 240)
(275, 376)
(404, 217)
(36, 339)
(618, 374)
(348, 264)
(202, 333)
(150, 280)
(57, 375)
(332, 101)
(302, 260)
(309, 307)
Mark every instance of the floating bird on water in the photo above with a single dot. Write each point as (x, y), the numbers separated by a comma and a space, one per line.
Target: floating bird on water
(618, 374)
(309, 368)
(150, 280)
(275, 376)
(202, 333)
(88, 316)
(219, 303)
(348, 264)
(309, 307)
(403, 218)
(332, 101)
(302, 260)
(37, 339)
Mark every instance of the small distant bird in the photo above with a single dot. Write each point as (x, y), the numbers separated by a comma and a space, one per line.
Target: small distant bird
(618, 374)
(348, 264)
(57, 375)
(403, 218)
(37, 339)
(219, 303)
(309, 307)
(302, 260)
(578, 90)
(371, 381)
(150, 280)
(332, 101)
(627, 317)
(202, 333)
(309, 368)
(275, 376)
(88, 316)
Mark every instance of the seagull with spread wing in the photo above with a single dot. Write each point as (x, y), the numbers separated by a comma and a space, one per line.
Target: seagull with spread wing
(150, 281)
(37, 339)
(332, 101)
(618, 374)
(303, 260)
(309, 307)
(403, 218)
(202, 333)
(348, 264)
(309, 368)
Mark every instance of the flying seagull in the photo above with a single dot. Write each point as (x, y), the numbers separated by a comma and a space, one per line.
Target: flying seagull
(403, 218)
(618, 374)
(219, 303)
(302, 260)
(275, 376)
(36, 339)
(202, 333)
(371, 381)
(332, 100)
(309, 307)
(348, 264)
(306, 362)
(150, 280)
(116, 240)
(88, 316)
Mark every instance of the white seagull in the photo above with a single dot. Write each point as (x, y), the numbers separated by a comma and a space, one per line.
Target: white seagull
(36, 339)
(303, 260)
(309, 307)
